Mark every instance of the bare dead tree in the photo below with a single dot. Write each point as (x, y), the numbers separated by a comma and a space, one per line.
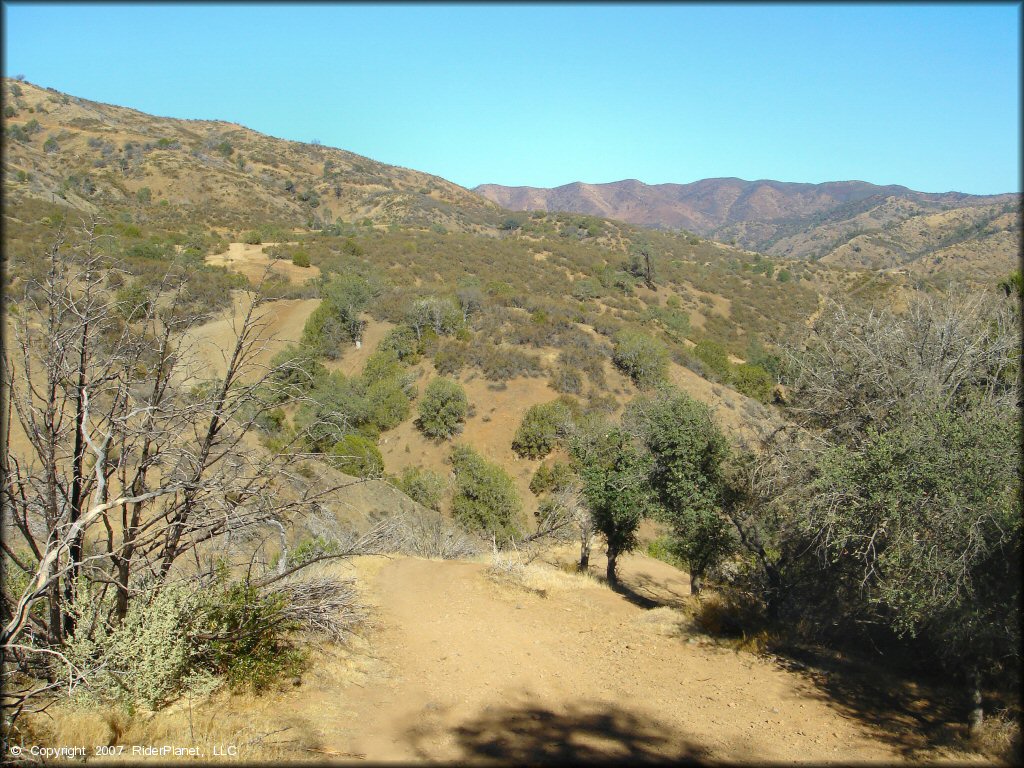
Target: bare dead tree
(134, 456)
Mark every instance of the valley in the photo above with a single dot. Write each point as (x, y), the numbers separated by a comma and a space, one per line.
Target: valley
(303, 451)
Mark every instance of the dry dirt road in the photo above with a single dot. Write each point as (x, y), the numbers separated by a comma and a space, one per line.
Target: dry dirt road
(468, 669)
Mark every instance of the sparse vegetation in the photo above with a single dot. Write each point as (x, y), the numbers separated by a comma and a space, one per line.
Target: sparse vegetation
(880, 511)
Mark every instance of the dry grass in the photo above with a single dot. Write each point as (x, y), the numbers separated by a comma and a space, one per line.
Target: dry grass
(522, 570)
(225, 720)
(1000, 738)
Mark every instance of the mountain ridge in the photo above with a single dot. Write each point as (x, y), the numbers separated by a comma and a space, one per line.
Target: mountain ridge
(791, 219)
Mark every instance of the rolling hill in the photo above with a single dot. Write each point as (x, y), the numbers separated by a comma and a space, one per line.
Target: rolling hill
(93, 156)
(849, 223)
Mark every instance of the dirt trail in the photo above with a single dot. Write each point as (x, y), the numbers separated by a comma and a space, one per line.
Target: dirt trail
(468, 669)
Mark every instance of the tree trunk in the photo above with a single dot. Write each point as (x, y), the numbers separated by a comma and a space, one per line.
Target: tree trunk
(121, 592)
(77, 483)
(696, 582)
(584, 554)
(613, 577)
(977, 713)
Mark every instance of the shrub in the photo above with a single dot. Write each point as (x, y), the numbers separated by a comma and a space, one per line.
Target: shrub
(382, 364)
(664, 548)
(300, 259)
(388, 402)
(132, 301)
(539, 429)
(504, 363)
(358, 456)
(252, 238)
(336, 407)
(402, 341)
(567, 380)
(443, 409)
(422, 486)
(145, 660)
(296, 368)
(485, 497)
(249, 630)
(336, 321)
(753, 381)
(450, 357)
(714, 356)
(639, 356)
(551, 478)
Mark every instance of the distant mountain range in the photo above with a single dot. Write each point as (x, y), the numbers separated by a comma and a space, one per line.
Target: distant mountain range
(100, 157)
(853, 223)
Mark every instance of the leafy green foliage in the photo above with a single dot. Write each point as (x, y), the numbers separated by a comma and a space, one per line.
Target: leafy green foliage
(132, 301)
(614, 475)
(296, 369)
(485, 498)
(901, 521)
(752, 381)
(402, 341)
(358, 456)
(551, 478)
(540, 428)
(336, 321)
(248, 630)
(442, 409)
(640, 357)
(337, 406)
(714, 356)
(422, 486)
(147, 658)
(687, 449)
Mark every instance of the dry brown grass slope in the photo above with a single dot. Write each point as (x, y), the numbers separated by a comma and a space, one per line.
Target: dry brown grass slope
(208, 171)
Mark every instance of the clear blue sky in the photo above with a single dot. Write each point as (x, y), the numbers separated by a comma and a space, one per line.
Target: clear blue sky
(924, 96)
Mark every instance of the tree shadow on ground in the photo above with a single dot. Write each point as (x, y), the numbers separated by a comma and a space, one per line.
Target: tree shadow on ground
(647, 592)
(585, 733)
(914, 717)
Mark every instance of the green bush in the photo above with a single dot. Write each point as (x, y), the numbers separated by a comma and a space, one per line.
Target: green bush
(249, 645)
(388, 402)
(442, 409)
(402, 341)
(714, 356)
(296, 369)
(300, 259)
(640, 357)
(132, 301)
(252, 238)
(551, 478)
(146, 659)
(357, 456)
(422, 486)
(753, 381)
(539, 429)
(382, 364)
(485, 498)
(665, 548)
